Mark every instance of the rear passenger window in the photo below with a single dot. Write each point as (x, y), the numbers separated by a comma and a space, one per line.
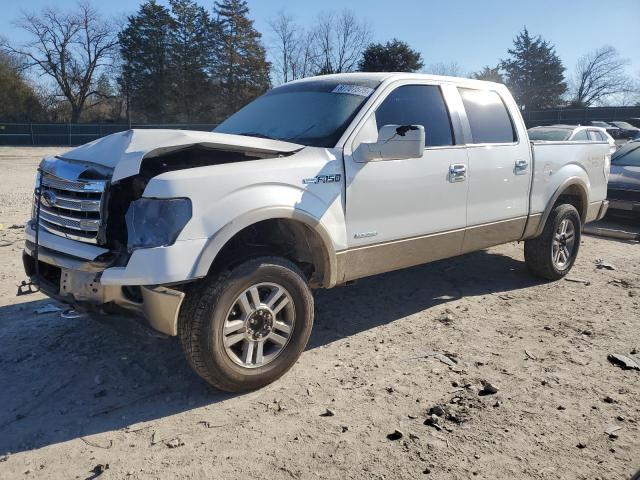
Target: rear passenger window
(488, 116)
(595, 136)
(418, 105)
(580, 136)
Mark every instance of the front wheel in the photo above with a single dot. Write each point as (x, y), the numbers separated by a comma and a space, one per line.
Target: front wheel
(552, 254)
(246, 327)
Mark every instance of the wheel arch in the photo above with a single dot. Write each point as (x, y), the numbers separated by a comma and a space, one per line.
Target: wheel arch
(309, 235)
(573, 191)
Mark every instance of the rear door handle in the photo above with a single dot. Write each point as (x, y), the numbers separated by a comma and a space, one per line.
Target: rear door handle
(457, 172)
(521, 166)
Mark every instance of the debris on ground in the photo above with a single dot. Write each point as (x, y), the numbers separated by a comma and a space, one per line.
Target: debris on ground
(488, 388)
(328, 413)
(531, 356)
(395, 435)
(99, 469)
(603, 265)
(446, 358)
(612, 431)
(48, 308)
(433, 421)
(445, 318)
(581, 445)
(436, 410)
(586, 283)
(175, 443)
(623, 361)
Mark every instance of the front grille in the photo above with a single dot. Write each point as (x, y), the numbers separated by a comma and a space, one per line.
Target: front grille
(71, 208)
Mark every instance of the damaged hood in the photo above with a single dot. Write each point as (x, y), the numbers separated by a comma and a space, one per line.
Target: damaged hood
(123, 152)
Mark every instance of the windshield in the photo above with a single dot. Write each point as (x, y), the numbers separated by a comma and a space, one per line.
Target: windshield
(549, 134)
(312, 113)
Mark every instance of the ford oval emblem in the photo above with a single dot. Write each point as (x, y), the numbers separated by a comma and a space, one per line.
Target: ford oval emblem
(49, 198)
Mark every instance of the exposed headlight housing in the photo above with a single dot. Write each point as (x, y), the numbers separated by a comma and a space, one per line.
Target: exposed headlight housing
(156, 222)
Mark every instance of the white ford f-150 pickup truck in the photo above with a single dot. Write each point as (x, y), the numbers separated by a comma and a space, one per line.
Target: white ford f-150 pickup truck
(219, 237)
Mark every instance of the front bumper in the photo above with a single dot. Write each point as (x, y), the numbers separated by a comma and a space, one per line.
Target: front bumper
(89, 283)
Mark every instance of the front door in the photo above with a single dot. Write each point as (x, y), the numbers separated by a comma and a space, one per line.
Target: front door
(406, 212)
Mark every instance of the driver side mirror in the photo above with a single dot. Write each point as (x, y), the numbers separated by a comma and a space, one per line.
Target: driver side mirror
(395, 142)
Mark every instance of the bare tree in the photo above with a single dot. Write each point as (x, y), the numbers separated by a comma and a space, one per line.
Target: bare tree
(446, 69)
(599, 75)
(339, 40)
(71, 48)
(286, 34)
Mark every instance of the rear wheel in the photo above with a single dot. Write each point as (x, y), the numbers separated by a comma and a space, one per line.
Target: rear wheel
(246, 327)
(552, 254)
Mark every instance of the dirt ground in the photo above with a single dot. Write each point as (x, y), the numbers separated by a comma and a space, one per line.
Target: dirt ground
(77, 394)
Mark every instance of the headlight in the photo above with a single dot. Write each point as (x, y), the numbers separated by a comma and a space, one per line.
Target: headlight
(156, 222)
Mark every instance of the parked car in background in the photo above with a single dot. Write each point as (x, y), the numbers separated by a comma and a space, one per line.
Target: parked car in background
(634, 121)
(623, 191)
(572, 133)
(626, 129)
(611, 130)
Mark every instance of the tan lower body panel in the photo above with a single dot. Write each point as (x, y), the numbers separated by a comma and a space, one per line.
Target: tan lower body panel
(384, 257)
(495, 233)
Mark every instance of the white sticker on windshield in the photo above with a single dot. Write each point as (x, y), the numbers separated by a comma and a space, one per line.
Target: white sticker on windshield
(353, 90)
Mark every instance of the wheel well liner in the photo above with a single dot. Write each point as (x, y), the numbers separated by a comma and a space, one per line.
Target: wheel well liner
(286, 237)
(572, 191)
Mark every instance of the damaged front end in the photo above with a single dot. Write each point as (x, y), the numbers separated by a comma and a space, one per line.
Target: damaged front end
(91, 226)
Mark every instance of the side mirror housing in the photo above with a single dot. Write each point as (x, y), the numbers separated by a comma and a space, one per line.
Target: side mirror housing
(395, 142)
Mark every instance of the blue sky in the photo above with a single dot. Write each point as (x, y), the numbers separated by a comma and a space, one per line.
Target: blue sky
(471, 33)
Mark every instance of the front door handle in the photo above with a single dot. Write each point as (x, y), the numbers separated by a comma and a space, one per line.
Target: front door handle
(521, 166)
(457, 172)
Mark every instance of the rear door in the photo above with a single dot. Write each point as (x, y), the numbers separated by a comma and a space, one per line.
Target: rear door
(499, 170)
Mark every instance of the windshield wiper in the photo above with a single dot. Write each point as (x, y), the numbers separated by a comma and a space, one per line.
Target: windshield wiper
(299, 134)
(256, 134)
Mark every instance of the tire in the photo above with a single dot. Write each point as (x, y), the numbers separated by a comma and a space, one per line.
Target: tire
(209, 319)
(541, 253)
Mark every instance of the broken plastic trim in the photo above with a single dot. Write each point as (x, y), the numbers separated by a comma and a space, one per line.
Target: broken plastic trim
(156, 222)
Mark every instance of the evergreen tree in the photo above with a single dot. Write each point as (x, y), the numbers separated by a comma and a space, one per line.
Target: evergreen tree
(535, 73)
(240, 68)
(190, 61)
(19, 101)
(394, 56)
(489, 74)
(145, 76)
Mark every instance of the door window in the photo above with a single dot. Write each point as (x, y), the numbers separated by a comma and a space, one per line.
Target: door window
(580, 136)
(418, 105)
(488, 117)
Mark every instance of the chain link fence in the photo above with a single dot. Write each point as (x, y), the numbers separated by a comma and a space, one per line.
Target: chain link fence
(53, 134)
(578, 116)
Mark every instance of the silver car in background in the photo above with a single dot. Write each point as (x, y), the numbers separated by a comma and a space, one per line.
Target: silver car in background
(563, 133)
(623, 191)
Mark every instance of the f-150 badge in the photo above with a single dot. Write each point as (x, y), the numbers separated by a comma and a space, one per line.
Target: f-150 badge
(323, 179)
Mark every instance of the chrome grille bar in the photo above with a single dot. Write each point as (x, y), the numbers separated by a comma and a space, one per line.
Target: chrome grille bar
(71, 208)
